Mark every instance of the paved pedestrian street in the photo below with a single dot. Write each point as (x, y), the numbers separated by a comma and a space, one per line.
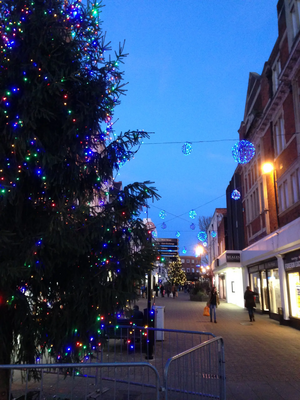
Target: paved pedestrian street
(262, 358)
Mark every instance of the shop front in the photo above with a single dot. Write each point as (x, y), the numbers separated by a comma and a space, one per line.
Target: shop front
(292, 268)
(264, 280)
(229, 277)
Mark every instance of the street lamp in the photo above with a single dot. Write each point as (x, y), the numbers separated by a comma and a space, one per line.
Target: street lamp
(268, 168)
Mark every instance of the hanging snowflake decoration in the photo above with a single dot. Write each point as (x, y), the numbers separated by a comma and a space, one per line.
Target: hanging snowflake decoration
(162, 214)
(177, 234)
(192, 214)
(184, 250)
(154, 234)
(187, 148)
(163, 225)
(243, 152)
(213, 234)
(192, 226)
(235, 195)
(202, 236)
(204, 244)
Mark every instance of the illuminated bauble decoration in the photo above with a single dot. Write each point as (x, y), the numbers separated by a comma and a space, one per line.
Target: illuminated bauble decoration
(235, 195)
(192, 226)
(213, 234)
(154, 234)
(177, 234)
(202, 236)
(163, 225)
(184, 250)
(162, 214)
(204, 244)
(243, 152)
(187, 148)
(192, 214)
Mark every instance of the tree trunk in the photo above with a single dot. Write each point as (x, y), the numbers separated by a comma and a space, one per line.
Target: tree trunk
(6, 340)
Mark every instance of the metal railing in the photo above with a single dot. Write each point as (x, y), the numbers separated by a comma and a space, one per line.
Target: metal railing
(197, 373)
(77, 381)
(184, 365)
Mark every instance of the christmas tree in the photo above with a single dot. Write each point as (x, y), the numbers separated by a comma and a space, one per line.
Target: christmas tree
(176, 275)
(72, 245)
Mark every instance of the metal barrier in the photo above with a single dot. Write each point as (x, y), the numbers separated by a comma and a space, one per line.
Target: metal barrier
(137, 344)
(71, 381)
(129, 363)
(197, 373)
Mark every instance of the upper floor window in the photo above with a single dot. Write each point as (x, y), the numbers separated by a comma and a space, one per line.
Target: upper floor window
(295, 14)
(279, 135)
(295, 184)
(188, 260)
(183, 261)
(187, 270)
(283, 196)
(193, 261)
(275, 74)
(193, 269)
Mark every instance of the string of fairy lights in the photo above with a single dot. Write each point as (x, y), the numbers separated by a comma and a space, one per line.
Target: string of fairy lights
(242, 152)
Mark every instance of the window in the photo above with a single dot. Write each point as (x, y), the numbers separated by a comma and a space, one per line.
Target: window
(295, 13)
(188, 261)
(193, 261)
(187, 270)
(183, 261)
(283, 196)
(295, 186)
(275, 74)
(262, 203)
(193, 269)
(279, 136)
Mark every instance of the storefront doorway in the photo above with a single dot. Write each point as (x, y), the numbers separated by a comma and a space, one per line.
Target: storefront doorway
(264, 280)
(222, 286)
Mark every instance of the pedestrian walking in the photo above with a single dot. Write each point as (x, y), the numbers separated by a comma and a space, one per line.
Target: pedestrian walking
(213, 303)
(162, 291)
(250, 302)
(174, 291)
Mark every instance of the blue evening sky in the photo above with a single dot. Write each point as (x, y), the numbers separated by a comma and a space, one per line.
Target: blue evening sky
(187, 71)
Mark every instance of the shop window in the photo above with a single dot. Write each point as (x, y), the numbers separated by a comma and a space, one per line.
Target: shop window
(274, 290)
(256, 287)
(294, 291)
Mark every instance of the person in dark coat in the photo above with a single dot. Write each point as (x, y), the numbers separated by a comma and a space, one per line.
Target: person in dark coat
(162, 291)
(250, 302)
(213, 303)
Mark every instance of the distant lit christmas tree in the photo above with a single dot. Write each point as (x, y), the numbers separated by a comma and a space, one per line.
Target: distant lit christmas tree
(176, 275)
(71, 245)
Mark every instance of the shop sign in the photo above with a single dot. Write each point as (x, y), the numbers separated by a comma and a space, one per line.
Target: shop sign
(233, 257)
(271, 264)
(291, 265)
(292, 260)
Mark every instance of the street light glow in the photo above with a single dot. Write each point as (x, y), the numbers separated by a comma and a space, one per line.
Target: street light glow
(267, 168)
(199, 251)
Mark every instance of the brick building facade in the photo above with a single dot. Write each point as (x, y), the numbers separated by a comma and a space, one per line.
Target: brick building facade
(267, 217)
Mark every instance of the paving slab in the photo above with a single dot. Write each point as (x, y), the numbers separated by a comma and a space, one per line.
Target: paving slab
(262, 358)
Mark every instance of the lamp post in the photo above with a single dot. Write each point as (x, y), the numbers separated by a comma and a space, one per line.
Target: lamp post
(268, 168)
